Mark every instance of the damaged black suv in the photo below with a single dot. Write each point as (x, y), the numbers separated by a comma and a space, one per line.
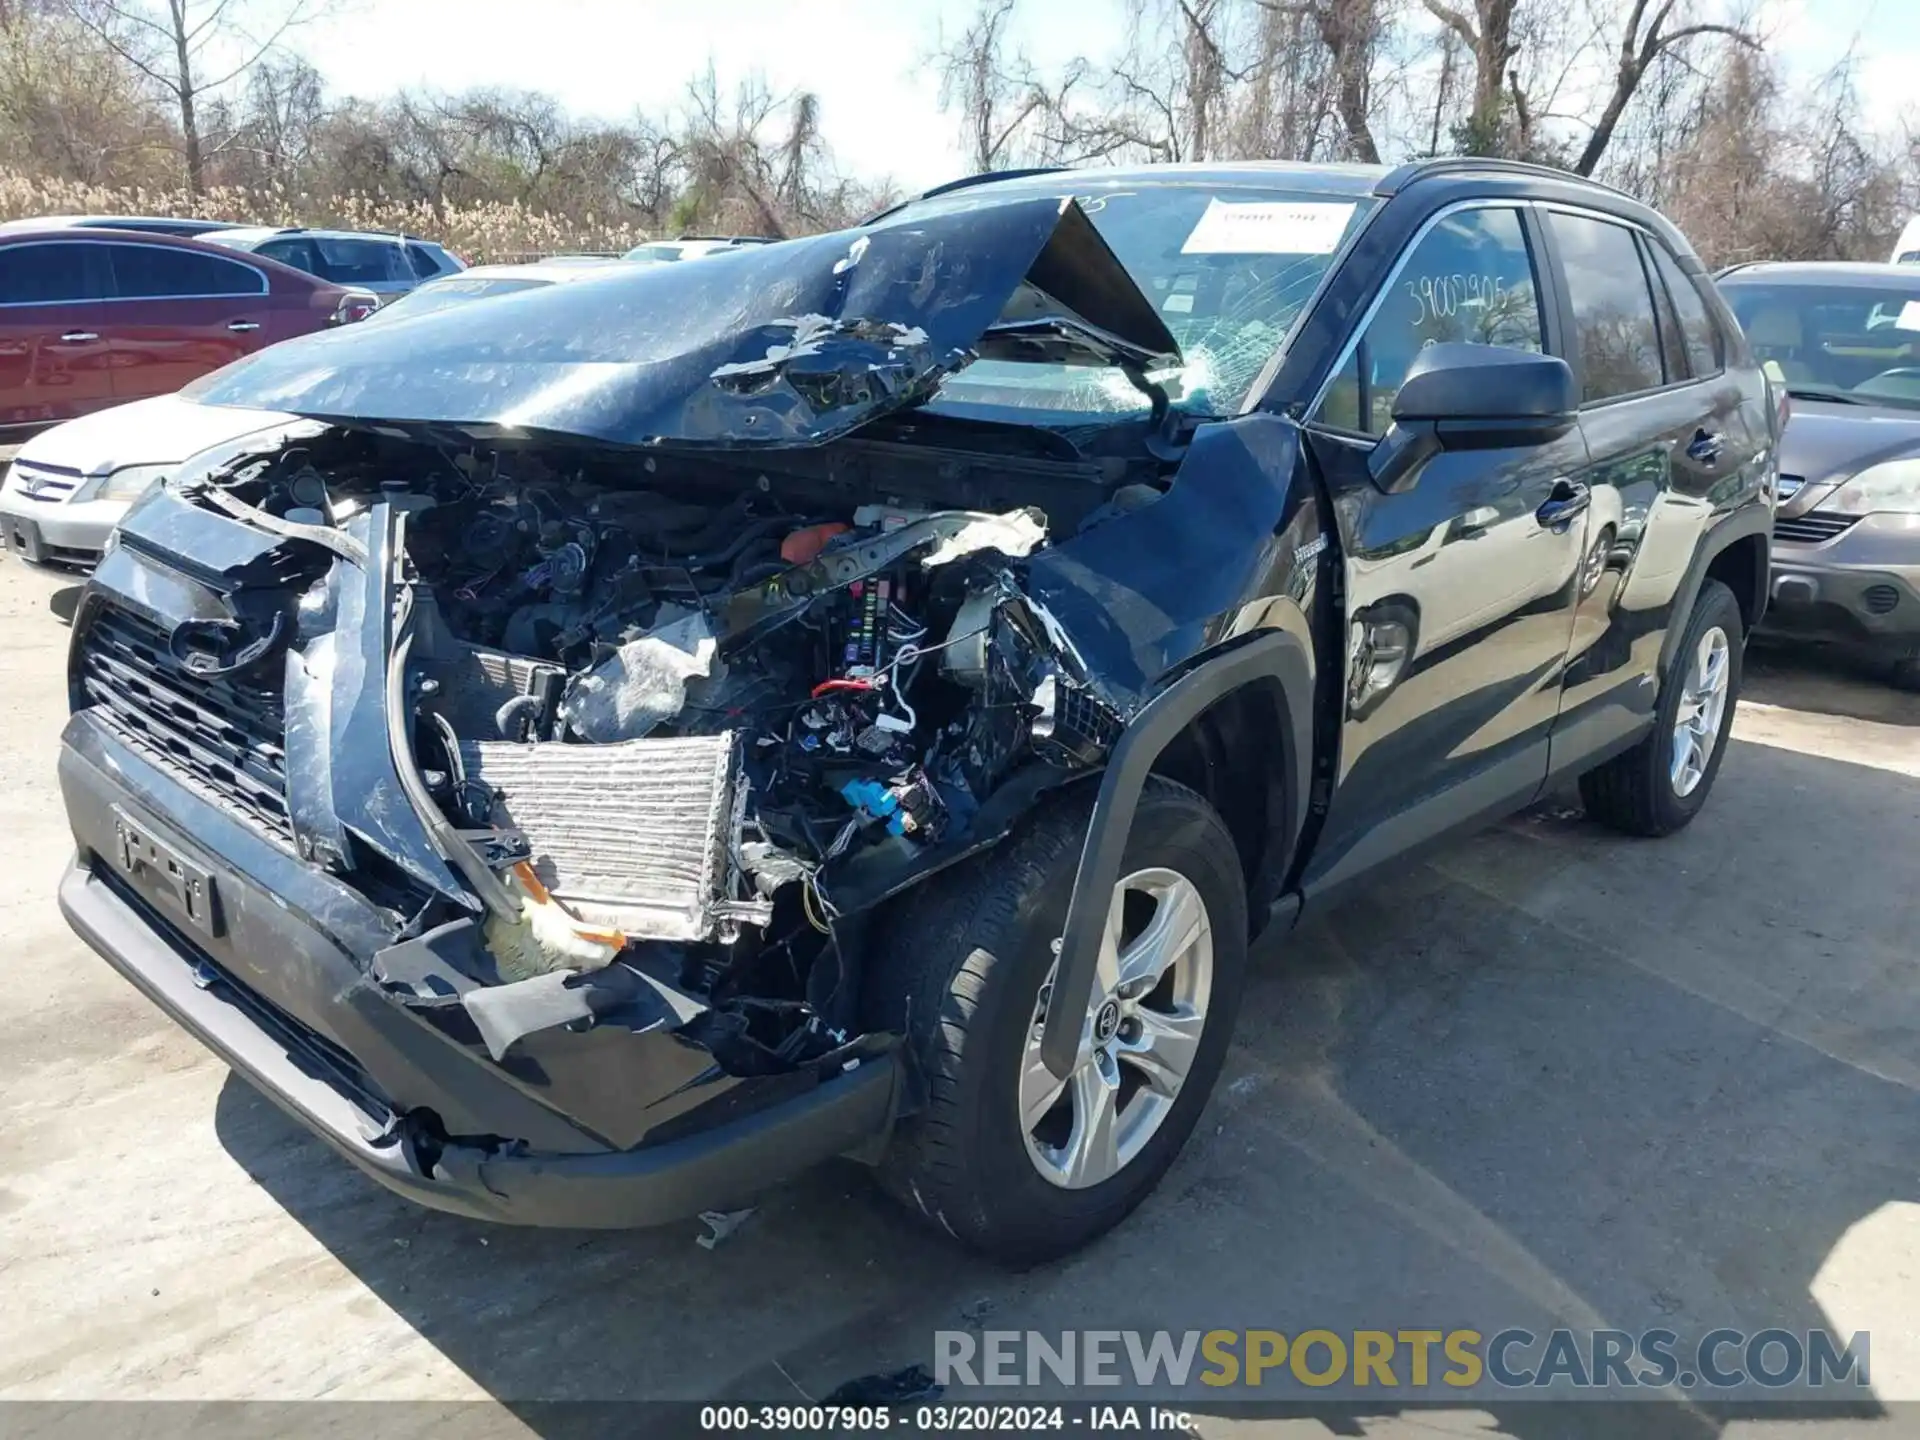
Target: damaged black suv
(617, 744)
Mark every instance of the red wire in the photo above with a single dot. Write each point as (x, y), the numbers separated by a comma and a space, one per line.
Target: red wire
(826, 685)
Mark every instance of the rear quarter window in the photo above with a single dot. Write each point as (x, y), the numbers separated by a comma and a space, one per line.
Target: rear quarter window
(1706, 351)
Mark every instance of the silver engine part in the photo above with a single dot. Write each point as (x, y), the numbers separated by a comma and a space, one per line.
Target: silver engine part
(632, 835)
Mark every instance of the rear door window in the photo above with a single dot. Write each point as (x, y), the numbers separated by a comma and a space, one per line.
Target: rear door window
(1616, 334)
(1470, 278)
(297, 253)
(425, 266)
(46, 274)
(151, 272)
(352, 261)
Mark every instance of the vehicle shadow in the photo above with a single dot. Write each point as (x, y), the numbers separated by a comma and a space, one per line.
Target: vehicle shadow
(64, 603)
(1827, 681)
(1551, 1076)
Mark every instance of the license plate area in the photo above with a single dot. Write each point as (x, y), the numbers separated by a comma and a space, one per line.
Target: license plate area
(157, 864)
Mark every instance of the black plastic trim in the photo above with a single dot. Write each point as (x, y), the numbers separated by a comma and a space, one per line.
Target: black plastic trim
(1749, 520)
(850, 1111)
(1273, 654)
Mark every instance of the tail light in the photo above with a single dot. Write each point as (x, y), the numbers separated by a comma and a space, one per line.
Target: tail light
(354, 305)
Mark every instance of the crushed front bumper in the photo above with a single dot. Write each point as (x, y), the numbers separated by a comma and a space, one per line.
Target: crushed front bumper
(264, 960)
(1860, 589)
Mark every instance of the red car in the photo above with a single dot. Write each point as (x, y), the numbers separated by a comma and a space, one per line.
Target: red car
(92, 318)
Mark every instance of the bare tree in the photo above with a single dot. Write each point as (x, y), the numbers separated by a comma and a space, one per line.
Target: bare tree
(1285, 110)
(1643, 41)
(1487, 34)
(175, 44)
(1351, 31)
(996, 93)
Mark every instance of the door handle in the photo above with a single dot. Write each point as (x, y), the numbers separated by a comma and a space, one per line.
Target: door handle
(239, 326)
(78, 337)
(1568, 499)
(1705, 447)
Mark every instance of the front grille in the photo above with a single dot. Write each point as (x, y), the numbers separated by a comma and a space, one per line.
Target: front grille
(47, 486)
(1879, 599)
(1812, 527)
(223, 736)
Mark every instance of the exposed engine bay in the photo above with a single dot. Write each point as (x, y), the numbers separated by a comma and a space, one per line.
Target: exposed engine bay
(680, 721)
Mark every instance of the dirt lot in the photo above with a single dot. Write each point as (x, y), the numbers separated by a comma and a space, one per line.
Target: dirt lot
(1551, 1076)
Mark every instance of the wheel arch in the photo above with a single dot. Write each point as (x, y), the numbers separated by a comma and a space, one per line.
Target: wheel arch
(1736, 552)
(1269, 673)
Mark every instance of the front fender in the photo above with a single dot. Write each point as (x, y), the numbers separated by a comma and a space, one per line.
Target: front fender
(1279, 654)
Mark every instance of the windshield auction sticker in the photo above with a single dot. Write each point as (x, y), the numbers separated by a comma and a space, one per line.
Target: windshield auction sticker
(1308, 227)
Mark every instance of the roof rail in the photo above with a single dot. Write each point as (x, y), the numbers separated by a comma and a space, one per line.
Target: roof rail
(966, 182)
(1401, 176)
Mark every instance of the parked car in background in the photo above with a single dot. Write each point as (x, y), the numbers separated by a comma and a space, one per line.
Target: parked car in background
(386, 264)
(485, 282)
(91, 318)
(145, 224)
(1845, 341)
(690, 247)
(70, 485)
(1906, 250)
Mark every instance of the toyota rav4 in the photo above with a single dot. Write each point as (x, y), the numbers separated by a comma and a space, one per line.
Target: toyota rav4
(623, 743)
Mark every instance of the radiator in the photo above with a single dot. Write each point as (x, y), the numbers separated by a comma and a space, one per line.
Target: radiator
(631, 835)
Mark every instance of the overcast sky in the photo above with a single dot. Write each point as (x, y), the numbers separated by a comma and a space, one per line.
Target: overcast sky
(866, 59)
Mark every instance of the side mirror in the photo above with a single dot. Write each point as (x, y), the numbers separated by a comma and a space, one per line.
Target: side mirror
(1472, 397)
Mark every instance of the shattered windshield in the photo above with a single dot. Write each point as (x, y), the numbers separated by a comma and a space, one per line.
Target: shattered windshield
(1228, 268)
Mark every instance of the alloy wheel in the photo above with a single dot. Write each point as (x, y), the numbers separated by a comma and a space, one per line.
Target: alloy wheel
(1138, 1040)
(1696, 728)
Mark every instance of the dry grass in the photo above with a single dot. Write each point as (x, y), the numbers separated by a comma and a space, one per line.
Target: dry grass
(480, 232)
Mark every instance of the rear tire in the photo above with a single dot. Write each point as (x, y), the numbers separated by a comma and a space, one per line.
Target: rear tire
(1658, 786)
(959, 970)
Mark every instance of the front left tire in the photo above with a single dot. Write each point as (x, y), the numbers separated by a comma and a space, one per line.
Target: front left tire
(1004, 1156)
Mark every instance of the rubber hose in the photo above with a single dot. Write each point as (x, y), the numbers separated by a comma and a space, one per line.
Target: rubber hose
(506, 718)
(728, 553)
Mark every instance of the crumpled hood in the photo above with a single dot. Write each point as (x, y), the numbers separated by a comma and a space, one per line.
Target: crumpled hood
(788, 344)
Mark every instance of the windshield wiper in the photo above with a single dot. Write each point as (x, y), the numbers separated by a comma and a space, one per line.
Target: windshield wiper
(1823, 392)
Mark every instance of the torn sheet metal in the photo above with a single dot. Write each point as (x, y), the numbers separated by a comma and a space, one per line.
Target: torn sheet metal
(641, 685)
(631, 835)
(713, 354)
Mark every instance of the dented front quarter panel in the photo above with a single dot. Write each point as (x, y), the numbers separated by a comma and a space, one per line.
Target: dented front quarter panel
(1144, 594)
